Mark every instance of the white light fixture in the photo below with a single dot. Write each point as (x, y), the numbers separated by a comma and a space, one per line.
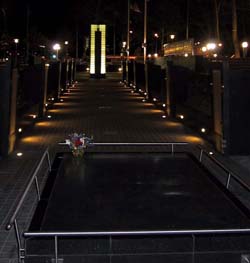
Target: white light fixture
(211, 46)
(66, 42)
(20, 130)
(211, 153)
(164, 116)
(164, 105)
(215, 55)
(34, 116)
(16, 40)
(182, 117)
(156, 55)
(244, 44)
(204, 49)
(203, 130)
(154, 99)
(186, 55)
(19, 154)
(49, 116)
(172, 36)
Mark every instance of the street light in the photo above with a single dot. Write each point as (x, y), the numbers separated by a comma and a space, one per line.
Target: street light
(57, 47)
(16, 41)
(172, 36)
(244, 48)
(156, 42)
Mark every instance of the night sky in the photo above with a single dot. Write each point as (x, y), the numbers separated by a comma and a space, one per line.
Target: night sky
(59, 19)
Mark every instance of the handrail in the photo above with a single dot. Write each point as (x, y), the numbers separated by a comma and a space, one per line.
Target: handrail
(12, 219)
(137, 233)
(223, 167)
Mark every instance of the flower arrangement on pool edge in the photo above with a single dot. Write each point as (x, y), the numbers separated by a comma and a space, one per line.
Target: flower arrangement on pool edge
(78, 142)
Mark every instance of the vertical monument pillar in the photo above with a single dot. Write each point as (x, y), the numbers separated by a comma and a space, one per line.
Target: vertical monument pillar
(98, 51)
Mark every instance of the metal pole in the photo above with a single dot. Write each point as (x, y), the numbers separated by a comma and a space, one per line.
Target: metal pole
(37, 189)
(128, 44)
(145, 47)
(56, 250)
(187, 25)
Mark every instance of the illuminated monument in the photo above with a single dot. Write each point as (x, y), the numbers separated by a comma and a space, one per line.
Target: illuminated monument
(98, 51)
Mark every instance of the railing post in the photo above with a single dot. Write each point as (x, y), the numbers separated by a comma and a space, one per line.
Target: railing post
(19, 245)
(228, 180)
(172, 149)
(56, 249)
(48, 160)
(37, 188)
(201, 154)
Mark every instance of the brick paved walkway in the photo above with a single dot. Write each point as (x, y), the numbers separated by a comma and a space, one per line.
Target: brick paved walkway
(102, 108)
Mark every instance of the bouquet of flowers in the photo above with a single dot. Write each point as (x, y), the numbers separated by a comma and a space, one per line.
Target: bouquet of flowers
(78, 142)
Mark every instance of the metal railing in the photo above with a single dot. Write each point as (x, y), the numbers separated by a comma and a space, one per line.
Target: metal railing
(110, 234)
(13, 219)
(192, 232)
(229, 173)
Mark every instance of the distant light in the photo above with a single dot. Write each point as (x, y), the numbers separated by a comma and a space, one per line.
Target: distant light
(186, 55)
(132, 91)
(46, 105)
(66, 42)
(7, 59)
(19, 154)
(57, 46)
(61, 100)
(215, 55)
(140, 90)
(53, 56)
(47, 64)
(49, 116)
(182, 117)
(211, 153)
(244, 44)
(204, 49)
(220, 44)
(53, 99)
(172, 36)
(145, 93)
(87, 69)
(154, 99)
(149, 55)
(211, 46)
(164, 105)
(34, 116)
(164, 116)
(203, 130)
(124, 43)
(131, 31)
(16, 40)
(143, 100)
(156, 35)
(119, 69)
(156, 55)
(20, 130)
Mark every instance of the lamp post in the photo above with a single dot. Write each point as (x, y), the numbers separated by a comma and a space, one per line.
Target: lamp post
(66, 43)
(16, 41)
(244, 48)
(156, 42)
(57, 47)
